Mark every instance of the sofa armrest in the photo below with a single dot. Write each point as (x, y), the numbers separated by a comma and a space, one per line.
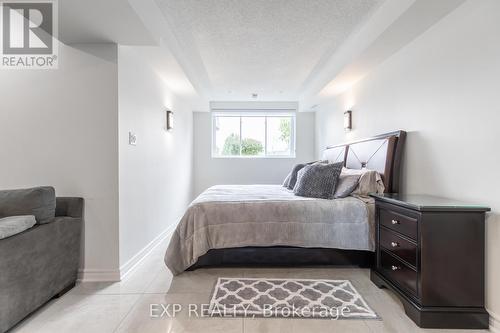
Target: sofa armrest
(69, 206)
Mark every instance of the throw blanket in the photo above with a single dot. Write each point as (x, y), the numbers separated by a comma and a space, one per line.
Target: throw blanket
(268, 215)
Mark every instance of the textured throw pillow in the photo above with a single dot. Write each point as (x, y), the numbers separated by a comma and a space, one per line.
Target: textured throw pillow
(318, 180)
(38, 201)
(286, 182)
(345, 185)
(291, 179)
(13, 225)
(293, 175)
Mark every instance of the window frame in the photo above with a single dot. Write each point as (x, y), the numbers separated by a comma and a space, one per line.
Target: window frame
(265, 114)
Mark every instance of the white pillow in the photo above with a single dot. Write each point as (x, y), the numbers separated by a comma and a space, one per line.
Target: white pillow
(370, 181)
(13, 225)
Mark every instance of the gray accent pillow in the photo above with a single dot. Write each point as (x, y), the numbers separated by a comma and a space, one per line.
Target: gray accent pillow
(13, 225)
(345, 185)
(318, 180)
(293, 175)
(291, 179)
(37, 201)
(286, 182)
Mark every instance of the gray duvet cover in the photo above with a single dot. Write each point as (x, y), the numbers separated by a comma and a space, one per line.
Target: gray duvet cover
(268, 215)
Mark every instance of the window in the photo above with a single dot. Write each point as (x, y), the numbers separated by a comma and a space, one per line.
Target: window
(253, 134)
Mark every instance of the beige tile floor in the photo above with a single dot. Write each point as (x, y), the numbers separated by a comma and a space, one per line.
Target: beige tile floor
(125, 306)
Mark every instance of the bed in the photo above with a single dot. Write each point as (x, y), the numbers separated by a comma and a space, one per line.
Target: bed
(244, 225)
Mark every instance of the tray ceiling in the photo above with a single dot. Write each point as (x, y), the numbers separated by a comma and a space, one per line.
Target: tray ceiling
(262, 46)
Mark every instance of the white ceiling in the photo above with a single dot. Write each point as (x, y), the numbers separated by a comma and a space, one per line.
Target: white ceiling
(163, 62)
(101, 21)
(262, 46)
(284, 50)
(395, 24)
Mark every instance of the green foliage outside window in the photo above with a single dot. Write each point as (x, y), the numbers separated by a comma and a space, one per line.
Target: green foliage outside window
(231, 145)
(285, 130)
(249, 147)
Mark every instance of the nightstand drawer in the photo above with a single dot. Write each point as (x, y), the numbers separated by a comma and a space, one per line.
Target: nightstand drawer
(398, 272)
(405, 225)
(401, 247)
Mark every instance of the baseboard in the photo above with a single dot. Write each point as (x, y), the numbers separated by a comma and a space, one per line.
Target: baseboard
(115, 275)
(133, 262)
(98, 275)
(494, 322)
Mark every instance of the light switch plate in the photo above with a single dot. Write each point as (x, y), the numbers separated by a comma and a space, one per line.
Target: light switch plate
(132, 139)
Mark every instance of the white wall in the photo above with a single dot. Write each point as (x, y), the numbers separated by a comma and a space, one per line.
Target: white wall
(60, 128)
(156, 174)
(444, 89)
(212, 171)
(69, 128)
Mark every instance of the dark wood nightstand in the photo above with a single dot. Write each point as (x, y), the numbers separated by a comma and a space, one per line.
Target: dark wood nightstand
(430, 251)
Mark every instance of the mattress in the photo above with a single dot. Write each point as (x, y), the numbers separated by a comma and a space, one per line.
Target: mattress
(227, 216)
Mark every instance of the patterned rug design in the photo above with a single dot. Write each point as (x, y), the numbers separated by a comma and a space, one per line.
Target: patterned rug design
(288, 298)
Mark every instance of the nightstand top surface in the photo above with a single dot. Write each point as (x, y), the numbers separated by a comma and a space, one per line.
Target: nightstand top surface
(428, 203)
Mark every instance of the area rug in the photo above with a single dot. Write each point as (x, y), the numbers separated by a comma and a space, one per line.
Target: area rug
(288, 298)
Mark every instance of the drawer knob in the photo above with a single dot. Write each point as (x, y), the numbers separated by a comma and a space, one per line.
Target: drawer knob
(394, 244)
(395, 222)
(395, 268)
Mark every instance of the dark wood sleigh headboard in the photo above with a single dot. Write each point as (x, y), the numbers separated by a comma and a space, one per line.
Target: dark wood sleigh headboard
(382, 153)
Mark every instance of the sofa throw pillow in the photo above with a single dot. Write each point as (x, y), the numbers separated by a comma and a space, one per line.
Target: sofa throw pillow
(37, 201)
(318, 180)
(345, 185)
(13, 225)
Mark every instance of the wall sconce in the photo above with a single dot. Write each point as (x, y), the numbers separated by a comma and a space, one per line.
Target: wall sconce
(170, 120)
(348, 121)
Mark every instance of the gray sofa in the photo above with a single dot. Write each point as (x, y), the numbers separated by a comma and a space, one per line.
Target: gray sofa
(41, 262)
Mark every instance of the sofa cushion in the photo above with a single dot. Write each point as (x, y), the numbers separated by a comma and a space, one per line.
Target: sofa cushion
(13, 225)
(37, 201)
